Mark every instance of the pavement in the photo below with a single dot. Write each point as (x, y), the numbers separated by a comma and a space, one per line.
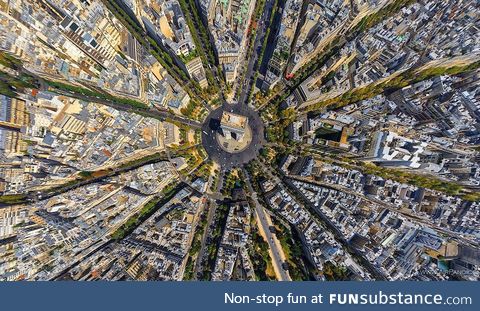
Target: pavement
(233, 145)
(257, 48)
(153, 112)
(275, 249)
(222, 157)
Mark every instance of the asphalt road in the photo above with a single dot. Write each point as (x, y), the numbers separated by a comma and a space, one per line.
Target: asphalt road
(201, 254)
(257, 48)
(264, 222)
(153, 112)
(225, 159)
(35, 196)
(370, 267)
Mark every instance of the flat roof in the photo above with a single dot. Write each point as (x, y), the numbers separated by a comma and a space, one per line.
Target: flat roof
(233, 120)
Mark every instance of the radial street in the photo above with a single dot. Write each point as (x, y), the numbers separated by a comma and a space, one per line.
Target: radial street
(264, 223)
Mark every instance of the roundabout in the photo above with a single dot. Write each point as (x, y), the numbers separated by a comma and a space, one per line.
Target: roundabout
(233, 145)
(229, 145)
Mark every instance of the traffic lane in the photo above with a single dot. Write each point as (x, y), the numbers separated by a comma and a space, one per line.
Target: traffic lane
(276, 256)
(154, 113)
(225, 159)
(260, 212)
(258, 42)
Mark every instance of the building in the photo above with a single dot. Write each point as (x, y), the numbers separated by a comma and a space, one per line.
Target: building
(228, 22)
(13, 117)
(196, 71)
(10, 217)
(233, 125)
(391, 149)
(283, 41)
(165, 23)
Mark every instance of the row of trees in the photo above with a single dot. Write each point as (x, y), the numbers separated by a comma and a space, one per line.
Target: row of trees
(150, 45)
(10, 61)
(194, 110)
(195, 246)
(220, 219)
(99, 95)
(202, 41)
(147, 210)
(422, 181)
(294, 252)
(332, 49)
(258, 253)
(296, 259)
(373, 19)
(264, 44)
(402, 176)
(404, 79)
(10, 86)
(336, 45)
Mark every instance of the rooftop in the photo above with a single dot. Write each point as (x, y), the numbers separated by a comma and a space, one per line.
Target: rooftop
(234, 120)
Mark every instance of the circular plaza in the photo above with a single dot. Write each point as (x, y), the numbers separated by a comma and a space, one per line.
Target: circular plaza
(232, 135)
